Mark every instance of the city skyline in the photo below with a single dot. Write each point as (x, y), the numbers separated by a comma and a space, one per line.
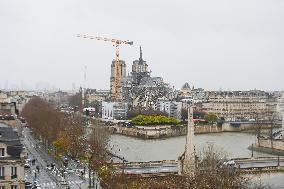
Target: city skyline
(211, 45)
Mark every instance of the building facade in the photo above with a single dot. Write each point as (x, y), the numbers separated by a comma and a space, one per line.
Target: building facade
(242, 105)
(114, 110)
(12, 174)
(98, 95)
(7, 108)
(172, 108)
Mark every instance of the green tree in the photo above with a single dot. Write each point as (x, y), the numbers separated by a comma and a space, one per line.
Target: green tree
(211, 118)
(155, 120)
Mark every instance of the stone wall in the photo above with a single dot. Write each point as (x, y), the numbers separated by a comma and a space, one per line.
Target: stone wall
(274, 144)
(245, 126)
(207, 129)
(151, 132)
(155, 132)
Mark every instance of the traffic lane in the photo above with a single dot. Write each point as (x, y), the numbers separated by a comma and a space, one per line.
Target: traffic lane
(41, 175)
(43, 159)
(71, 178)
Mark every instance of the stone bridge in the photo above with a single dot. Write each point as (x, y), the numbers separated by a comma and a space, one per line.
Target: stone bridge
(251, 165)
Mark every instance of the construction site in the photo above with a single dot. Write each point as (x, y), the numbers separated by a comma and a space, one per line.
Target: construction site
(137, 89)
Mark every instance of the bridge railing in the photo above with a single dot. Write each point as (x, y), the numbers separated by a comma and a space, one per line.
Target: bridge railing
(147, 164)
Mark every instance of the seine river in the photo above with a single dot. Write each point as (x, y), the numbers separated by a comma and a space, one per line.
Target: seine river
(233, 144)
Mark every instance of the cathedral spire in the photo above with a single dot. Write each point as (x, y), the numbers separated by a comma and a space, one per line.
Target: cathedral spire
(140, 54)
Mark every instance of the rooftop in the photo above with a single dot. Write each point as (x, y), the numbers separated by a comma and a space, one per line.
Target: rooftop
(10, 137)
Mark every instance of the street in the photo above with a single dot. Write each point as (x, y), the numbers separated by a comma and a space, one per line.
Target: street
(44, 177)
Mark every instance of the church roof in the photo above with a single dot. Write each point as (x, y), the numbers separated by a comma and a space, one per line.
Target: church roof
(186, 86)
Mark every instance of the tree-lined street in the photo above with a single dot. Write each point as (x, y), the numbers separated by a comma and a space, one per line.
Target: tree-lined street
(47, 177)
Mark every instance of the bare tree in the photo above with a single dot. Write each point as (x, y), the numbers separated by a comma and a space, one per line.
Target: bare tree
(272, 125)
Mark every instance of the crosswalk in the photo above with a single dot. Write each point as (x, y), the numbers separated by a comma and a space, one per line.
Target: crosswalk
(53, 184)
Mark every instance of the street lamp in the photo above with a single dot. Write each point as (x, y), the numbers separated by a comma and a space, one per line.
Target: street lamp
(252, 150)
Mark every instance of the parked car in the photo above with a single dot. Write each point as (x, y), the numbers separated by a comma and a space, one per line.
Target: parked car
(27, 166)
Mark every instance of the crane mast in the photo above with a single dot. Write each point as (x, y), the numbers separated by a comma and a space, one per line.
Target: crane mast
(116, 91)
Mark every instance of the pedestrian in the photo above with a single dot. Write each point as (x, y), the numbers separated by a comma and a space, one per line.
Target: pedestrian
(37, 168)
(82, 174)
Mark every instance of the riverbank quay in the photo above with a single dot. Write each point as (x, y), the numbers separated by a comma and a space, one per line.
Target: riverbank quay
(161, 131)
(167, 131)
(268, 146)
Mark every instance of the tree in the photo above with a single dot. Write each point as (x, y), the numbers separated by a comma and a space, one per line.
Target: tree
(76, 100)
(70, 140)
(272, 122)
(95, 149)
(197, 114)
(43, 119)
(211, 117)
(155, 120)
(257, 128)
(54, 128)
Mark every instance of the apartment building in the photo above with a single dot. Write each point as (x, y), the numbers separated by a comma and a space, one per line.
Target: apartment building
(12, 175)
(242, 105)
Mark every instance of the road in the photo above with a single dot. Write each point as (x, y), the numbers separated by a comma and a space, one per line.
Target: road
(49, 178)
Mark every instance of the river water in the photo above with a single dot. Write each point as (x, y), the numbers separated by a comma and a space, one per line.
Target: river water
(134, 149)
(233, 144)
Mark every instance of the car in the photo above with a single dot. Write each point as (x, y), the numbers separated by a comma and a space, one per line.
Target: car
(27, 166)
(231, 162)
(28, 186)
(69, 170)
(48, 167)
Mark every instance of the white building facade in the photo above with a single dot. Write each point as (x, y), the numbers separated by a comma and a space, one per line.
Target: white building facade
(114, 110)
(172, 108)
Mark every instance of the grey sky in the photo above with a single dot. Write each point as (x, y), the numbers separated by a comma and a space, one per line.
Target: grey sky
(212, 44)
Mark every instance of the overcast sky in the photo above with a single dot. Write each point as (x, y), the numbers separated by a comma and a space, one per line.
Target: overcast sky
(213, 44)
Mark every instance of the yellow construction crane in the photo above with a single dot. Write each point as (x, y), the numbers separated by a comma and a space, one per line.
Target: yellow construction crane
(116, 92)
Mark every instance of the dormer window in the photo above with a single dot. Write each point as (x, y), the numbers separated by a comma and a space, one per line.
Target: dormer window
(2, 152)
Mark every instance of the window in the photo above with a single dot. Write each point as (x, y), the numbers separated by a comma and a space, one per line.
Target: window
(2, 187)
(14, 187)
(2, 173)
(2, 152)
(13, 172)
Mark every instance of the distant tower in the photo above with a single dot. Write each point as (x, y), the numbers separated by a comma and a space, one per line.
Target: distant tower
(116, 91)
(139, 69)
(189, 158)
